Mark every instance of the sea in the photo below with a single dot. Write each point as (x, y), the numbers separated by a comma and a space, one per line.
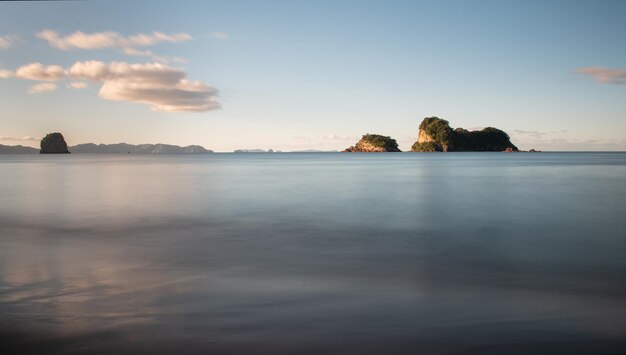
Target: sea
(313, 253)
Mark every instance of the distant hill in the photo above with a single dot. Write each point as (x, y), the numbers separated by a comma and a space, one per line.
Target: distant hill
(17, 149)
(124, 148)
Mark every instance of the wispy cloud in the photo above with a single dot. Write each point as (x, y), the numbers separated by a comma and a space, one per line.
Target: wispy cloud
(5, 74)
(77, 85)
(109, 39)
(337, 137)
(605, 75)
(17, 139)
(42, 88)
(219, 35)
(7, 41)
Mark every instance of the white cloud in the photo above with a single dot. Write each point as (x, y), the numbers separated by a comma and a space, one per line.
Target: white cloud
(91, 70)
(42, 88)
(110, 39)
(37, 71)
(7, 41)
(605, 75)
(161, 86)
(219, 35)
(5, 74)
(146, 53)
(77, 85)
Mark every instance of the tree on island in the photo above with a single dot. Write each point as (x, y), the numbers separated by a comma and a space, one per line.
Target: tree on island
(374, 143)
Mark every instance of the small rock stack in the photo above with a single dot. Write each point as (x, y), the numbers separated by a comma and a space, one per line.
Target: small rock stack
(53, 143)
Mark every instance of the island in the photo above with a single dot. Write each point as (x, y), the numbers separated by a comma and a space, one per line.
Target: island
(374, 143)
(436, 135)
(53, 143)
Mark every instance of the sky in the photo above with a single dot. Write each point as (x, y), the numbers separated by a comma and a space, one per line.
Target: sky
(298, 75)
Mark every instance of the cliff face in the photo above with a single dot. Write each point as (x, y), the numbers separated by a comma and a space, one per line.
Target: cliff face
(53, 143)
(435, 135)
(374, 143)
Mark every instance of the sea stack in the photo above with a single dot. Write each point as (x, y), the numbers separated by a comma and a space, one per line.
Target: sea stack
(374, 143)
(53, 143)
(436, 135)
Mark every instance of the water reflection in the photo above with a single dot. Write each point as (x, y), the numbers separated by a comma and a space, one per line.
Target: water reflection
(475, 253)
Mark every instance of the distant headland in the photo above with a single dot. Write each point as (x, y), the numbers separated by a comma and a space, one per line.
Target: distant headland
(54, 143)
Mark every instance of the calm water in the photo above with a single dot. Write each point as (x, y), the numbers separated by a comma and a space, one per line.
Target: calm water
(456, 253)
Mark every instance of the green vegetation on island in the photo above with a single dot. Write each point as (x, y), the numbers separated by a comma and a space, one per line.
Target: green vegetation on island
(374, 143)
(436, 135)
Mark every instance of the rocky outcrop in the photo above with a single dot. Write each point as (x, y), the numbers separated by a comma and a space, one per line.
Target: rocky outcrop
(436, 135)
(374, 143)
(53, 143)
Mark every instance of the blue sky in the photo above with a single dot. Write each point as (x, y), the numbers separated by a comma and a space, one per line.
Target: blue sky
(293, 75)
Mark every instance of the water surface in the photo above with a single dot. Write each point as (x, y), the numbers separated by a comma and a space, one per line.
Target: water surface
(457, 253)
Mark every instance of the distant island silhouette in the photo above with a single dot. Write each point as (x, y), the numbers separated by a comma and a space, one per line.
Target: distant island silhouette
(119, 148)
(434, 135)
(125, 148)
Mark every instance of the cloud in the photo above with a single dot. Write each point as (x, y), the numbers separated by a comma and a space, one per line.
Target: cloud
(526, 135)
(91, 70)
(42, 88)
(23, 139)
(7, 41)
(161, 86)
(77, 85)
(4, 74)
(604, 75)
(37, 71)
(219, 35)
(336, 137)
(109, 39)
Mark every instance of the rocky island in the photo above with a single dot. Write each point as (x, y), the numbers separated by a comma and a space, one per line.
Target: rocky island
(374, 143)
(53, 143)
(436, 135)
